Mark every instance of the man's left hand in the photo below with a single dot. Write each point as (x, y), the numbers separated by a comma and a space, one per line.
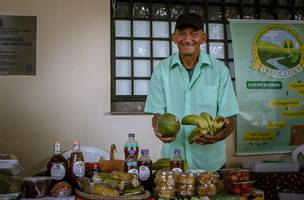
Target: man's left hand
(220, 135)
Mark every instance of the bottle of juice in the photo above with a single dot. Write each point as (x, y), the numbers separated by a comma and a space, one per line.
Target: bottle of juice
(57, 165)
(145, 169)
(77, 165)
(131, 145)
(176, 162)
(132, 163)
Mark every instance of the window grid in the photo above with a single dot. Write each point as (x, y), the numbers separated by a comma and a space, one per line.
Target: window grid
(213, 12)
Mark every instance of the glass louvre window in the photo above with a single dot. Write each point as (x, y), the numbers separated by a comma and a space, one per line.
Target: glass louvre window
(141, 37)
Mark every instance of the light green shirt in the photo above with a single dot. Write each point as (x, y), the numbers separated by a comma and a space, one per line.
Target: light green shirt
(209, 90)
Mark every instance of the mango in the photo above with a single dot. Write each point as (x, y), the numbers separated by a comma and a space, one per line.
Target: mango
(168, 125)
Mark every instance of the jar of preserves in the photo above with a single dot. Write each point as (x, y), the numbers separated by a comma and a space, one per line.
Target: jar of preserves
(165, 184)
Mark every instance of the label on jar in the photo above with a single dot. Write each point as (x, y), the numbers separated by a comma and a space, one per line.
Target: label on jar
(79, 168)
(177, 170)
(58, 171)
(144, 173)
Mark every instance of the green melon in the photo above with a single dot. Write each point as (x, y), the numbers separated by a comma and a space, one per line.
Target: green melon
(168, 125)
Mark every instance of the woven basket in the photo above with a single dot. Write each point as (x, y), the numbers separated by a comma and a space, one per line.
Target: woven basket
(98, 197)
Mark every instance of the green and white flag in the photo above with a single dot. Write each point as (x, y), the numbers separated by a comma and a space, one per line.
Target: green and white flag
(269, 78)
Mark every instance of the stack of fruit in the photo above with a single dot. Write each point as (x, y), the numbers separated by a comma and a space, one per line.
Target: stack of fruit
(237, 181)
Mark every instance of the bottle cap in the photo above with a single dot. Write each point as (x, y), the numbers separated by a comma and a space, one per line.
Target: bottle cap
(144, 151)
(131, 135)
(76, 141)
(176, 151)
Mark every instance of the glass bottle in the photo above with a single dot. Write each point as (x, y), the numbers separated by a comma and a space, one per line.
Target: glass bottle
(176, 162)
(57, 165)
(145, 169)
(132, 163)
(131, 145)
(77, 165)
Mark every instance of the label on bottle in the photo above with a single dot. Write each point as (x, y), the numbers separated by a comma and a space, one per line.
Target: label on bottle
(133, 171)
(58, 171)
(132, 167)
(79, 168)
(144, 173)
(131, 148)
(177, 170)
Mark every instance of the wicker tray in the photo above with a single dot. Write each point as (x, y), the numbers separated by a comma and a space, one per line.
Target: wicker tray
(99, 197)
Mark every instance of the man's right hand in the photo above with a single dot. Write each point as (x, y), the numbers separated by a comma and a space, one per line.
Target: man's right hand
(163, 139)
(156, 131)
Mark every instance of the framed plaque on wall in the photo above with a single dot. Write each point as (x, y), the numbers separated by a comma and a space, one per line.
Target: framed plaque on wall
(18, 45)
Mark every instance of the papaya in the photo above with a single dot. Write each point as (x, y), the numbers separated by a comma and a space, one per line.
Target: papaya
(168, 125)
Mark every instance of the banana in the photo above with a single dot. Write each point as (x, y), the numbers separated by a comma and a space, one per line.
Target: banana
(161, 164)
(207, 117)
(219, 122)
(195, 120)
(196, 132)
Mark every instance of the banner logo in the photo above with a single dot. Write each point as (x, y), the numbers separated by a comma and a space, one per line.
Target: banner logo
(278, 51)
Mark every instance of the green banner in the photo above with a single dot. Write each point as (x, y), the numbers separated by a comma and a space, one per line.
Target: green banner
(269, 78)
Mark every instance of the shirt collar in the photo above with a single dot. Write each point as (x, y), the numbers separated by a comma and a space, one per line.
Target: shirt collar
(203, 60)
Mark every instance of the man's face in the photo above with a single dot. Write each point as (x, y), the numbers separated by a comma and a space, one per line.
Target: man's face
(188, 40)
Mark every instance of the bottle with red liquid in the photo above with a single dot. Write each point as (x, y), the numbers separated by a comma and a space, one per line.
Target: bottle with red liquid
(77, 164)
(145, 169)
(57, 165)
(131, 162)
(131, 145)
(176, 162)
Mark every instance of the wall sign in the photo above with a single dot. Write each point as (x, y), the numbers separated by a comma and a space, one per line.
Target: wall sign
(269, 71)
(18, 45)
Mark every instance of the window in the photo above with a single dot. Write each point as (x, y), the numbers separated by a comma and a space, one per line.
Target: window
(140, 38)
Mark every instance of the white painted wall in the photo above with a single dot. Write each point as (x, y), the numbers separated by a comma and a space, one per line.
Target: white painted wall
(70, 95)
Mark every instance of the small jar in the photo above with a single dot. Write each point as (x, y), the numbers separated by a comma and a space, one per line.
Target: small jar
(236, 175)
(239, 187)
(165, 192)
(208, 178)
(165, 178)
(206, 190)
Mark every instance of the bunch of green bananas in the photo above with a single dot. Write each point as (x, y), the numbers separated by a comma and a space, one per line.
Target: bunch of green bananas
(164, 164)
(205, 124)
(161, 164)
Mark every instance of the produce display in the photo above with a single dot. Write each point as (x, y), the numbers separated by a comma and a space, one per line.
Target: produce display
(112, 184)
(168, 125)
(204, 123)
(109, 179)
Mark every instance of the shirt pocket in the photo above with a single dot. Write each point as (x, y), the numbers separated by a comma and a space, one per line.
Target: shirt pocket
(207, 100)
